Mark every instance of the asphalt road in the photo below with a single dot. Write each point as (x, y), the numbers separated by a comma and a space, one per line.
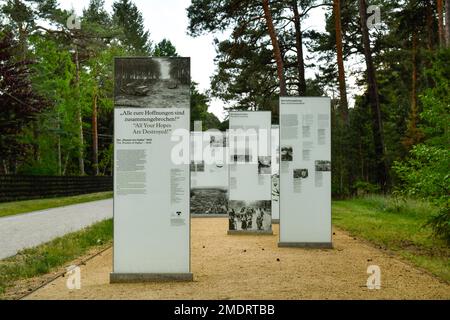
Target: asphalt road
(31, 229)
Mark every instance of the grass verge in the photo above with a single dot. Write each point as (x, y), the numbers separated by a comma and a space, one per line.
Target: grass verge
(42, 259)
(13, 208)
(398, 226)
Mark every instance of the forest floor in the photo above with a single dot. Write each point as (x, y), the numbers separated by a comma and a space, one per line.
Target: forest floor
(253, 267)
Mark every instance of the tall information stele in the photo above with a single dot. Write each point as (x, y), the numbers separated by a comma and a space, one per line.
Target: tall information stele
(151, 170)
(209, 174)
(305, 172)
(275, 174)
(250, 172)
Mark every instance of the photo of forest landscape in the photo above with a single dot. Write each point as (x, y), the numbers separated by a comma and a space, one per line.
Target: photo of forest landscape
(152, 82)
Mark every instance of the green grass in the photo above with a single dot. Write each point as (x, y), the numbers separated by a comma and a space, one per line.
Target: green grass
(398, 226)
(13, 208)
(42, 259)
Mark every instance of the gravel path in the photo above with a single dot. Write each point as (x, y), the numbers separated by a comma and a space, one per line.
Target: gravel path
(253, 267)
(31, 229)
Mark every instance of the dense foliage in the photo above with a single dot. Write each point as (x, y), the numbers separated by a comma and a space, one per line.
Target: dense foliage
(389, 83)
(56, 84)
(425, 173)
(393, 133)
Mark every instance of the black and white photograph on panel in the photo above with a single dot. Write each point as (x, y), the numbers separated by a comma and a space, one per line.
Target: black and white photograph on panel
(301, 173)
(217, 141)
(250, 215)
(214, 141)
(275, 187)
(225, 141)
(242, 156)
(197, 166)
(264, 165)
(152, 82)
(209, 201)
(323, 165)
(287, 153)
(248, 156)
(238, 158)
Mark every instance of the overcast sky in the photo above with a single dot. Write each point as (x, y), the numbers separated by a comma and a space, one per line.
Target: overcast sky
(168, 19)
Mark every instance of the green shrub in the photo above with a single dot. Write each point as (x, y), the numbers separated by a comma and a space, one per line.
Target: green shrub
(365, 188)
(425, 175)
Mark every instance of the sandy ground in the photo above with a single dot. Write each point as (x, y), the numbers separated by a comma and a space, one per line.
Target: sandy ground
(253, 267)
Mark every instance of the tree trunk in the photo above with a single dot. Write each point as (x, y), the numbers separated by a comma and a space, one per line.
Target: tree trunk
(23, 45)
(79, 116)
(59, 156)
(299, 48)
(35, 144)
(374, 99)
(440, 10)
(66, 163)
(59, 149)
(430, 20)
(343, 102)
(276, 47)
(414, 82)
(447, 22)
(413, 135)
(95, 135)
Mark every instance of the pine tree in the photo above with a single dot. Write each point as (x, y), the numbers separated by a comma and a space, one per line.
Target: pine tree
(128, 17)
(263, 57)
(447, 22)
(22, 17)
(99, 22)
(276, 47)
(165, 48)
(340, 61)
(374, 99)
(440, 10)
